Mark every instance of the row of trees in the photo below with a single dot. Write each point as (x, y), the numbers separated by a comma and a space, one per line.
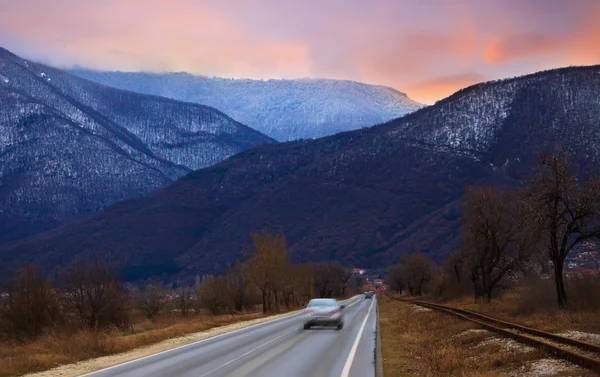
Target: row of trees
(413, 274)
(510, 231)
(514, 232)
(91, 296)
(268, 272)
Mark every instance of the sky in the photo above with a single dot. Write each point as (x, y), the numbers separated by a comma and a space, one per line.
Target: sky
(427, 48)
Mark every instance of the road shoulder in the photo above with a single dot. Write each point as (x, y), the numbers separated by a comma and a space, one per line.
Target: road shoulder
(91, 365)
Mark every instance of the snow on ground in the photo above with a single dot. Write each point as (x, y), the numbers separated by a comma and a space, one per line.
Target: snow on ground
(471, 332)
(583, 336)
(420, 309)
(506, 344)
(547, 367)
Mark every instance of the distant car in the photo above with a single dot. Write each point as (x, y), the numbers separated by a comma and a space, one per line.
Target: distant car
(324, 312)
(368, 294)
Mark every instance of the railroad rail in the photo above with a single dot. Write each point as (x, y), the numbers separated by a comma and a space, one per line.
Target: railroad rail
(578, 352)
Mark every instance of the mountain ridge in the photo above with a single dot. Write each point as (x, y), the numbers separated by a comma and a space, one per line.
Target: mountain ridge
(69, 146)
(281, 108)
(360, 197)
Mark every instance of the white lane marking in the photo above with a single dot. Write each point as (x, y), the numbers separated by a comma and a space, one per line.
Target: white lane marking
(195, 343)
(291, 315)
(350, 358)
(355, 302)
(247, 353)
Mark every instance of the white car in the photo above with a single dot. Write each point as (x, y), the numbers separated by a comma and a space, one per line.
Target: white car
(324, 312)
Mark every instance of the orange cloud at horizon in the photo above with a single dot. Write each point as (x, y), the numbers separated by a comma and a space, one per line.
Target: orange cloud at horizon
(430, 90)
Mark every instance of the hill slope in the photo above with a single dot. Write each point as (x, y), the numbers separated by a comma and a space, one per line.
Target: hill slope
(283, 109)
(69, 147)
(360, 197)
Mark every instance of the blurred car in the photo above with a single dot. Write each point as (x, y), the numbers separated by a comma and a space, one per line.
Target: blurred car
(324, 312)
(368, 294)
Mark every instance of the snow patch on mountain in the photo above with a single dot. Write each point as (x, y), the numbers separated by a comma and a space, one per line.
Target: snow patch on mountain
(283, 109)
(69, 146)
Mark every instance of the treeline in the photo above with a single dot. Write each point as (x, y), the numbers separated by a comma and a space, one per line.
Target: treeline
(511, 234)
(266, 272)
(90, 296)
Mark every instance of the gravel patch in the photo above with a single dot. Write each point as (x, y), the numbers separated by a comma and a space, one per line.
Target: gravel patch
(583, 336)
(548, 367)
(506, 344)
(91, 365)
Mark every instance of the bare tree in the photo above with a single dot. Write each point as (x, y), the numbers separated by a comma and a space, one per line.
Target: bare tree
(266, 265)
(417, 270)
(236, 281)
(31, 306)
(393, 274)
(304, 283)
(297, 285)
(184, 298)
(151, 299)
(212, 295)
(330, 279)
(499, 237)
(98, 295)
(567, 212)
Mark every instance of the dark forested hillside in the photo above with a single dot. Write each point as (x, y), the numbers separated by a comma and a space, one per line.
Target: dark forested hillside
(70, 147)
(361, 197)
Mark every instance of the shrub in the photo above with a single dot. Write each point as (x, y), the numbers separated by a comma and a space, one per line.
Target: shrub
(31, 306)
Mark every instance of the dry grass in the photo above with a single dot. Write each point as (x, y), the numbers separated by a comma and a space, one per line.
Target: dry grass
(536, 307)
(56, 349)
(427, 343)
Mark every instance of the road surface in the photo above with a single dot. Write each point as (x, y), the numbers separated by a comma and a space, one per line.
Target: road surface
(275, 348)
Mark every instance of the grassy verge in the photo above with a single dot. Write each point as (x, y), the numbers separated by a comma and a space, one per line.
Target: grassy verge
(523, 308)
(419, 342)
(68, 347)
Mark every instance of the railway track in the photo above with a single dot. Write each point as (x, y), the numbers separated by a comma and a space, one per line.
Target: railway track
(578, 352)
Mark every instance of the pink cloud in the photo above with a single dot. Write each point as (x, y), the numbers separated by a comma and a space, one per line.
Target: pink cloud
(153, 35)
(426, 48)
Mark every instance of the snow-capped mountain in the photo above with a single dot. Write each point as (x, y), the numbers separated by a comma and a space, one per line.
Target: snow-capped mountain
(549, 107)
(69, 146)
(283, 109)
(361, 197)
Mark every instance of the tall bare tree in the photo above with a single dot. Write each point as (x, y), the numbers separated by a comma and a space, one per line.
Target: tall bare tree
(568, 212)
(266, 264)
(498, 236)
(236, 281)
(304, 283)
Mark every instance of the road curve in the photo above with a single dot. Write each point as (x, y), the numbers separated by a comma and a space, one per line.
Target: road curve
(275, 348)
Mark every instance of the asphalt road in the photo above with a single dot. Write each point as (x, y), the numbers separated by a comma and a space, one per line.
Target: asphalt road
(275, 348)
